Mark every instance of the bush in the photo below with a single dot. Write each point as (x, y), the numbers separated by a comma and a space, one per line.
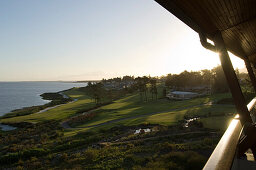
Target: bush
(128, 161)
(10, 158)
(26, 154)
(34, 153)
(225, 101)
(90, 155)
(186, 160)
(166, 147)
(69, 145)
(195, 162)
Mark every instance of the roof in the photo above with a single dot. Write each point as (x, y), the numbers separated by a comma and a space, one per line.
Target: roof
(183, 93)
(235, 19)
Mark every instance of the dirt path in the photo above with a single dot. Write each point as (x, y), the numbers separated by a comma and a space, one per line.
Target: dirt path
(49, 108)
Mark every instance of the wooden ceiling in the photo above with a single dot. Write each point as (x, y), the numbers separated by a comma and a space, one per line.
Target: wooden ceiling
(235, 19)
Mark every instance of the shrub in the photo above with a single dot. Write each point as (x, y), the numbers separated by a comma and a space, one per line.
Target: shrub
(90, 155)
(128, 161)
(34, 152)
(9, 158)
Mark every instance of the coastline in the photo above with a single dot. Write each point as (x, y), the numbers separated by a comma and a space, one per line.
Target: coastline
(20, 94)
(49, 108)
(53, 103)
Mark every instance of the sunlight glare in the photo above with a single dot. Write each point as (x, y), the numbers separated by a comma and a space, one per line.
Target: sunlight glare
(191, 55)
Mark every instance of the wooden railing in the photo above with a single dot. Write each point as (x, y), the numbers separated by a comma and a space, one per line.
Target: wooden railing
(224, 153)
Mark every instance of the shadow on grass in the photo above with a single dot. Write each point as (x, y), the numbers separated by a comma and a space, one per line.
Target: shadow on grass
(130, 107)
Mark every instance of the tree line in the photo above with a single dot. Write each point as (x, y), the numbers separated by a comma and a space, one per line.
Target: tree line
(146, 86)
(213, 79)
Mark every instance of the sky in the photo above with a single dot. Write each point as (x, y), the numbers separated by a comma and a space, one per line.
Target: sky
(48, 40)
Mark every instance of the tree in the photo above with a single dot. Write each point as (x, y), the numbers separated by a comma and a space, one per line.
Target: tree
(96, 91)
(185, 79)
(164, 92)
(169, 80)
(145, 81)
(128, 78)
(206, 76)
(219, 80)
(89, 83)
(153, 88)
(141, 85)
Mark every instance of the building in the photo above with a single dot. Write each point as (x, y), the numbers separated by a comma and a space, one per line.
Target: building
(181, 95)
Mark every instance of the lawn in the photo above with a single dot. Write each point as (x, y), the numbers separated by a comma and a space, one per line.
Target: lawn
(218, 120)
(219, 123)
(210, 110)
(131, 106)
(132, 110)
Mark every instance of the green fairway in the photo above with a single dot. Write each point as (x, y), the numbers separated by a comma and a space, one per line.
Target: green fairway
(165, 118)
(64, 111)
(218, 120)
(219, 123)
(133, 111)
(130, 110)
(210, 110)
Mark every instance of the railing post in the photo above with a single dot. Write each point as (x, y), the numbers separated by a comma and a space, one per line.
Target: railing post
(232, 79)
(250, 72)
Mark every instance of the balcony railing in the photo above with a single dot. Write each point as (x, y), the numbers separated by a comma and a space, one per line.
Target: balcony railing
(223, 155)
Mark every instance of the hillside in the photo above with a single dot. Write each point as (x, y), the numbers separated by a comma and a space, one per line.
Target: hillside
(81, 134)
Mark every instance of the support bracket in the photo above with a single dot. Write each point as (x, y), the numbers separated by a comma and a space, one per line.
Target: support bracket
(248, 140)
(206, 44)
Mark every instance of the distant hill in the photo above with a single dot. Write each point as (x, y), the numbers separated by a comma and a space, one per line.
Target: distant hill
(86, 81)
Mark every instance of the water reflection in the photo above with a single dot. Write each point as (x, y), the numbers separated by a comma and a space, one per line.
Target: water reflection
(142, 131)
(190, 120)
(6, 127)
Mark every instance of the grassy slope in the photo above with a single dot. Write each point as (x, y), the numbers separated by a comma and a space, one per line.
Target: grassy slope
(130, 106)
(220, 123)
(172, 118)
(58, 113)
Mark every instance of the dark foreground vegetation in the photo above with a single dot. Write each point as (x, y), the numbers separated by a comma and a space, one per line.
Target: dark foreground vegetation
(166, 147)
(123, 123)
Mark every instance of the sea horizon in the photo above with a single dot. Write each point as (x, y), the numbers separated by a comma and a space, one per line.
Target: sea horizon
(20, 94)
(75, 81)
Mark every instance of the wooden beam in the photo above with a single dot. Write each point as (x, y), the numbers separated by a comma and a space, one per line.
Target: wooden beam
(232, 79)
(250, 72)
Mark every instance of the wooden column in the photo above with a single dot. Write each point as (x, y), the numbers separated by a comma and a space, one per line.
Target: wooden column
(232, 79)
(250, 72)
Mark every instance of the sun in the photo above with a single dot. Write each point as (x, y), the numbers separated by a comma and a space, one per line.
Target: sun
(188, 54)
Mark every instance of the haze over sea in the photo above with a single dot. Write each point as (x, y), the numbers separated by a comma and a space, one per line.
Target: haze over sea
(16, 95)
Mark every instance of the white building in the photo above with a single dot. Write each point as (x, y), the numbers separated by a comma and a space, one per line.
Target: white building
(181, 95)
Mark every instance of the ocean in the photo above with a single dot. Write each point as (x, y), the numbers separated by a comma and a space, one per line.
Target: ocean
(16, 95)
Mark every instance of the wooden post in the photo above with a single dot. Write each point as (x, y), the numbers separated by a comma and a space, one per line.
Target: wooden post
(232, 80)
(250, 72)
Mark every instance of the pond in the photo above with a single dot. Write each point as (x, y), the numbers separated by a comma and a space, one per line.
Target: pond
(141, 131)
(6, 127)
(190, 120)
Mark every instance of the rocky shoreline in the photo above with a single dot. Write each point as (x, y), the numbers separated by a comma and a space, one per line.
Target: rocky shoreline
(56, 99)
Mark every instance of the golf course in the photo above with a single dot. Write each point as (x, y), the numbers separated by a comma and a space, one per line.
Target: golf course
(129, 110)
